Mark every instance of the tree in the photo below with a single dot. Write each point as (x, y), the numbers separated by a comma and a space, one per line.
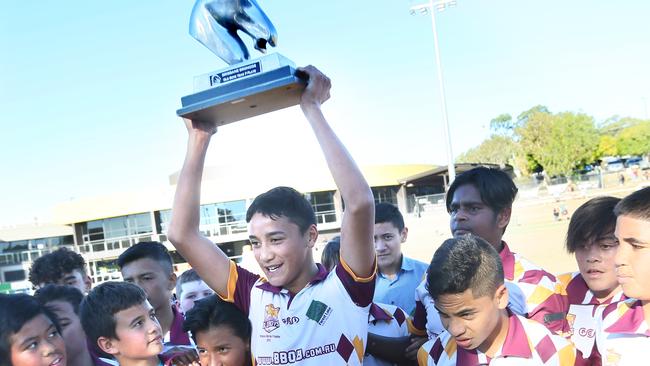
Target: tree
(496, 149)
(502, 125)
(523, 117)
(559, 142)
(607, 146)
(614, 125)
(634, 140)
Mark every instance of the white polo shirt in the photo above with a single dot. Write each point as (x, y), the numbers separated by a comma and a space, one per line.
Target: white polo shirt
(532, 292)
(325, 323)
(527, 343)
(622, 336)
(582, 314)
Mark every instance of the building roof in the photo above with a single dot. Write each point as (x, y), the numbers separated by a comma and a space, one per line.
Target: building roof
(33, 231)
(460, 168)
(223, 184)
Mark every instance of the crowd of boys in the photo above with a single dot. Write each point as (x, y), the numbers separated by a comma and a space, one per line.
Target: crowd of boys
(476, 303)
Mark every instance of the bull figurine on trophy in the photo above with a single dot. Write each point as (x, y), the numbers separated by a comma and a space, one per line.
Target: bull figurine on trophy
(248, 87)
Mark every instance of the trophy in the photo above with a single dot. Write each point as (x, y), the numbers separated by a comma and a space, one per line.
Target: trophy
(248, 87)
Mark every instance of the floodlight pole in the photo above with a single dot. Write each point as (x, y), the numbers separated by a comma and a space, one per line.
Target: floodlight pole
(432, 5)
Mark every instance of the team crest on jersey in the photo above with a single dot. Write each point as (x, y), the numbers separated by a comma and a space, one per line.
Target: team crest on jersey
(571, 319)
(318, 312)
(271, 320)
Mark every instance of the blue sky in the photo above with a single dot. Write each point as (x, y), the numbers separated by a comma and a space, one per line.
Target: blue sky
(89, 89)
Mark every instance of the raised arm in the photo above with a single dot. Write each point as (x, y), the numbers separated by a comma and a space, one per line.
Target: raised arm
(203, 255)
(357, 247)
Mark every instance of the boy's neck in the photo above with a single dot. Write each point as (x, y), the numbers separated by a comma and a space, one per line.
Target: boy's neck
(149, 361)
(304, 278)
(604, 296)
(81, 359)
(495, 342)
(393, 269)
(165, 317)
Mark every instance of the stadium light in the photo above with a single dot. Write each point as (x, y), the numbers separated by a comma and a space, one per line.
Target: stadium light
(431, 7)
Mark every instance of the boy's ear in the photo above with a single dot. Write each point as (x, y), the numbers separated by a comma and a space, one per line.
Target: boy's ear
(312, 231)
(404, 234)
(503, 217)
(108, 345)
(88, 282)
(172, 281)
(501, 296)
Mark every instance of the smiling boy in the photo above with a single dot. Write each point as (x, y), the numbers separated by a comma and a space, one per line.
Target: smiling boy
(466, 281)
(29, 334)
(300, 312)
(64, 301)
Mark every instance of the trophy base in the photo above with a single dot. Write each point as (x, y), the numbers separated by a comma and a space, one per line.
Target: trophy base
(244, 98)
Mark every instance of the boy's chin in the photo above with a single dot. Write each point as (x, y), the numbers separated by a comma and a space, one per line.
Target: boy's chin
(155, 349)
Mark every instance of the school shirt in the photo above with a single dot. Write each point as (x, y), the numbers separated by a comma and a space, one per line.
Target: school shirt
(399, 290)
(325, 323)
(622, 335)
(582, 314)
(176, 336)
(527, 343)
(388, 321)
(532, 292)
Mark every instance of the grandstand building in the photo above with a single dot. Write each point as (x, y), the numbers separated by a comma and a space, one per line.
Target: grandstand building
(100, 228)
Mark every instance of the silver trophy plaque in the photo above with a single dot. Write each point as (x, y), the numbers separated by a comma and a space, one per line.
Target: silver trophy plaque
(248, 87)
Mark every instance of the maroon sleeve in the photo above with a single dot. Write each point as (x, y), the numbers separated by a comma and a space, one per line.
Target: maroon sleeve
(552, 313)
(240, 283)
(419, 319)
(361, 290)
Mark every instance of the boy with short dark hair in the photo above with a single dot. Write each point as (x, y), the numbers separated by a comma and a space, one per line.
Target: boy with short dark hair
(591, 238)
(61, 267)
(189, 289)
(623, 333)
(117, 317)
(479, 202)
(397, 275)
(300, 312)
(222, 333)
(29, 333)
(64, 301)
(149, 265)
(466, 281)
